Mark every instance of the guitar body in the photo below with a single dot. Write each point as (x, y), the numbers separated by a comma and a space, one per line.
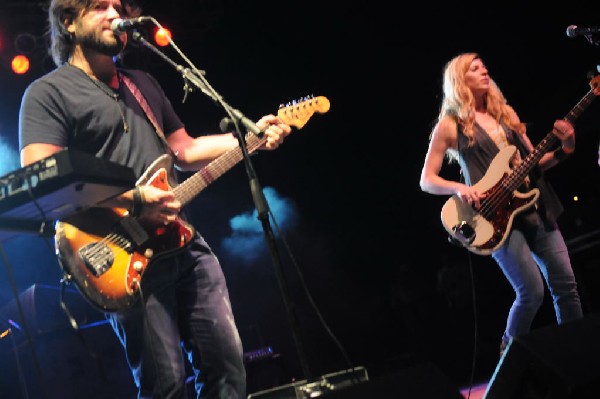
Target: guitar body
(483, 234)
(106, 252)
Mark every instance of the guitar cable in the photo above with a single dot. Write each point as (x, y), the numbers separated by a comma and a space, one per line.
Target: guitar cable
(475, 322)
(93, 354)
(456, 242)
(25, 325)
(77, 329)
(25, 328)
(350, 366)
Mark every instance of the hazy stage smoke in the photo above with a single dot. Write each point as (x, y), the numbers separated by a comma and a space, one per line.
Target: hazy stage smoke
(9, 158)
(247, 241)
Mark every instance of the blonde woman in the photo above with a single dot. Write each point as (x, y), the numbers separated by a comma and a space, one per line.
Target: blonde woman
(474, 124)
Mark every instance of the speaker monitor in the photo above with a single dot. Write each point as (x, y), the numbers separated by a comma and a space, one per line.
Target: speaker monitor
(556, 362)
(42, 312)
(46, 358)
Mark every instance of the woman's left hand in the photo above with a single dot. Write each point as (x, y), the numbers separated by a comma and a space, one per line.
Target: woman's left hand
(565, 132)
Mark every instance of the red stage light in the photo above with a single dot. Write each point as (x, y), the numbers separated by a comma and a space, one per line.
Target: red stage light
(162, 37)
(20, 64)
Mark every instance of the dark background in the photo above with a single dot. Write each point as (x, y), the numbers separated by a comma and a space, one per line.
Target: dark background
(372, 278)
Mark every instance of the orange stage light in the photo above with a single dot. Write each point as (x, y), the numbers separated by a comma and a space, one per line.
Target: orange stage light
(162, 37)
(20, 64)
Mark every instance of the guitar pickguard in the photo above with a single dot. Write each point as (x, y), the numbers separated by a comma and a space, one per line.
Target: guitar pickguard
(490, 228)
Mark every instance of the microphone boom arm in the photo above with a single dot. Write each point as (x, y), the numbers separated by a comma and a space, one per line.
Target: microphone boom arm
(196, 77)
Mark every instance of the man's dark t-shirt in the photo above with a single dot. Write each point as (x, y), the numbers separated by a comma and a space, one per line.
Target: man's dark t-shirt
(68, 109)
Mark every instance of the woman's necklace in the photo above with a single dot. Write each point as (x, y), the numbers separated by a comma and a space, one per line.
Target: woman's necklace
(109, 92)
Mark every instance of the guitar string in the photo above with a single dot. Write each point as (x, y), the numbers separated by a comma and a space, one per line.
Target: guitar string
(512, 180)
(184, 192)
(111, 238)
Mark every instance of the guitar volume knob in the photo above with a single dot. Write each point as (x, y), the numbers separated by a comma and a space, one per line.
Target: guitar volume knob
(138, 266)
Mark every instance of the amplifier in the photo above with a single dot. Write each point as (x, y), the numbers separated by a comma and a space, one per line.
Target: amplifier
(321, 386)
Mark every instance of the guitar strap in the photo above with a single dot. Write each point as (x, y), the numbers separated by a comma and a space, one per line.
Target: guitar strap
(147, 110)
(461, 172)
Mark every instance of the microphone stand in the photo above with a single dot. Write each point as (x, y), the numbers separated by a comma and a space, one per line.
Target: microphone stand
(236, 117)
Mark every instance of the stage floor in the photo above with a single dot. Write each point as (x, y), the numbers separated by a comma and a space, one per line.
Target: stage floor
(476, 392)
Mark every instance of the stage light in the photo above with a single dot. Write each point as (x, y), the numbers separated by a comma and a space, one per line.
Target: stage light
(20, 64)
(162, 37)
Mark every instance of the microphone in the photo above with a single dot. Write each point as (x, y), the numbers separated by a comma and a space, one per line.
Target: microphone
(119, 25)
(574, 31)
(226, 124)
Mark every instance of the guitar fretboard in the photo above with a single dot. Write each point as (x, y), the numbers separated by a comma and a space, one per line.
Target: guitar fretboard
(187, 190)
(515, 179)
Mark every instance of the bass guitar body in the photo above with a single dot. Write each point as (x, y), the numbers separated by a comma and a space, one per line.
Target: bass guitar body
(483, 232)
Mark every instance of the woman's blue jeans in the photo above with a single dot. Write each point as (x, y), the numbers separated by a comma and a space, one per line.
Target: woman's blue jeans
(532, 254)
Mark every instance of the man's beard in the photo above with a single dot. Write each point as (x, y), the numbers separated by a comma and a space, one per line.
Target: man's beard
(93, 41)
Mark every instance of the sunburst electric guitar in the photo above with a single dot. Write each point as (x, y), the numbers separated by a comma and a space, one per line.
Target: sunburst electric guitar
(105, 251)
(484, 230)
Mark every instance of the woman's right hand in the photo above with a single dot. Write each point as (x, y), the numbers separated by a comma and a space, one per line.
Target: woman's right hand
(470, 195)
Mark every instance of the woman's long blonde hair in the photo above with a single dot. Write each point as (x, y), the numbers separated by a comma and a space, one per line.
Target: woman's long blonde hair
(458, 101)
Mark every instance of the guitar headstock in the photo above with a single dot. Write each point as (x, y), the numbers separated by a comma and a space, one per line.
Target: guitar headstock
(595, 85)
(298, 112)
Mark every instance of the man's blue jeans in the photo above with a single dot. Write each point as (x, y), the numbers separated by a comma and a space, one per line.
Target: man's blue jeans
(184, 305)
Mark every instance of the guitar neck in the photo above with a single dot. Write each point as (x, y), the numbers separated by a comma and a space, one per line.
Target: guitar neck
(294, 114)
(515, 179)
(191, 187)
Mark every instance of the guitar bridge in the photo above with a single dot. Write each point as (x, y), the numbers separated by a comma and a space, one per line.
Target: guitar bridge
(464, 232)
(97, 257)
